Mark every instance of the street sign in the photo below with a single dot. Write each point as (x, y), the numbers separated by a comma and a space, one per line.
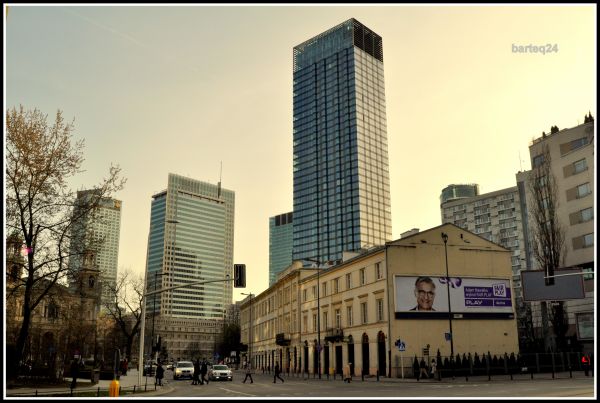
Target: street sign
(401, 345)
(448, 336)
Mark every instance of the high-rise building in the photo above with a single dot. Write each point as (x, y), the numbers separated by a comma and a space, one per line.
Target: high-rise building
(191, 240)
(495, 216)
(571, 153)
(341, 179)
(281, 235)
(454, 192)
(98, 232)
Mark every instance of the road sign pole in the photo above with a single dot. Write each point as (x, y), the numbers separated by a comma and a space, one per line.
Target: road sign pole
(402, 364)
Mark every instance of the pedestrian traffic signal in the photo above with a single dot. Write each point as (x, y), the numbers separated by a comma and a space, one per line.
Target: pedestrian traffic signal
(239, 275)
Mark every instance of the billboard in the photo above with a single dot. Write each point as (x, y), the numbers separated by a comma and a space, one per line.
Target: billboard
(568, 284)
(428, 296)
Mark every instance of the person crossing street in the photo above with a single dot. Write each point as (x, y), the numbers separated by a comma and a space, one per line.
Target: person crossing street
(277, 372)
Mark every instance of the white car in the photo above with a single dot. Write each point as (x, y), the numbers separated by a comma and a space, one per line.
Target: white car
(183, 369)
(220, 373)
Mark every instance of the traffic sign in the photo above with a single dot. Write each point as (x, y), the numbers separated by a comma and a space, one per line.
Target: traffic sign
(401, 345)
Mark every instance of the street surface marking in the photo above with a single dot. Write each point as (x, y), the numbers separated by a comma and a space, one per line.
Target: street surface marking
(235, 391)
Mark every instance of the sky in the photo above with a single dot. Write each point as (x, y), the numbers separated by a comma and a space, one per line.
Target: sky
(160, 89)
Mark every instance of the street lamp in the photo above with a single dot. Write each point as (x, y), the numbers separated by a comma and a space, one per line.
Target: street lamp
(156, 274)
(445, 239)
(318, 313)
(249, 329)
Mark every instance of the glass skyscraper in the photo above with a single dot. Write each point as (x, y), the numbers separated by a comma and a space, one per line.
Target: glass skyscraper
(281, 235)
(99, 232)
(341, 179)
(191, 239)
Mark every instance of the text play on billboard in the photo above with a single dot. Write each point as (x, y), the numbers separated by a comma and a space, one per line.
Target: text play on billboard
(428, 294)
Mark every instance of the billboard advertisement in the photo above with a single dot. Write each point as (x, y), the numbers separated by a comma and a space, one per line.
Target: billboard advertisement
(568, 284)
(425, 295)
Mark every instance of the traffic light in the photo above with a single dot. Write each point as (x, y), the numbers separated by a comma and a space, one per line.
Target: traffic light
(239, 275)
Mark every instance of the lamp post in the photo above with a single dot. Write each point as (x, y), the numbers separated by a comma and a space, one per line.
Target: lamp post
(318, 313)
(249, 329)
(156, 274)
(445, 239)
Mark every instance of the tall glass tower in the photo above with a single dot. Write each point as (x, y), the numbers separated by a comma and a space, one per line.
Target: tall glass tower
(341, 178)
(191, 239)
(281, 233)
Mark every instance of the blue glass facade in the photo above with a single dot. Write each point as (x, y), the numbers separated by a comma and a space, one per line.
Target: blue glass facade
(191, 239)
(341, 180)
(281, 236)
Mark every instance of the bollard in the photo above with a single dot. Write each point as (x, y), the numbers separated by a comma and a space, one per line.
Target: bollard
(377, 375)
(71, 392)
(570, 372)
(98, 394)
(113, 389)
(362, 374)
(134, 389)
(36, 392)
(531, 373)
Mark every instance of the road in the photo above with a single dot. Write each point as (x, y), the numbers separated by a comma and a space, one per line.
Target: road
(294, 387)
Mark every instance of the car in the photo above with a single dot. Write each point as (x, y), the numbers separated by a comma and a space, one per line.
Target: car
(183, 369)
(169, 366)
(220, 372)
(149, 368)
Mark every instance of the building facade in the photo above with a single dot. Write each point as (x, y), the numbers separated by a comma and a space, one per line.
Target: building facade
(341, 179)
(281, 236)
(454, 192)
(571, 153)
(103, 229)
(497, 217)
(317, 320)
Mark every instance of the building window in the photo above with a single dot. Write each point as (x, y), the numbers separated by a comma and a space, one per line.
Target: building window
(314, 291)
(583, 190)
(314, 322)
(325, 319)
(324, 285)
(348, 281)
(579, 166)
(362, 276)
(379, 310)
(587, 214)
(338, 319)
(538, 160)
(349, 318)
(588, 240)
(336, 285)
(378, 271)
(575, 144)
(304, 295)
(363, 312)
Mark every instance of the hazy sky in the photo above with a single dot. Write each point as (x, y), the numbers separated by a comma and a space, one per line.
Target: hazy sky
(159, 89)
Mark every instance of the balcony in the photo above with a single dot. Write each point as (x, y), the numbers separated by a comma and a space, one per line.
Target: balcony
(283, 339)
(334, 334)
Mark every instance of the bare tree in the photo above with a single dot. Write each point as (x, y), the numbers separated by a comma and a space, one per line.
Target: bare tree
(39, 204)
(125, 306)
(548, 234)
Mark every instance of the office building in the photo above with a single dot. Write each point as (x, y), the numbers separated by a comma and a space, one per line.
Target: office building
(99, 232)
(281, 235)
(571, 154)
(454, 192)
(191, 239)
(341, 179)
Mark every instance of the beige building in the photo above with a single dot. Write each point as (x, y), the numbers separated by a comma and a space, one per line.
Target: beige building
(365, 304)
(572, 164)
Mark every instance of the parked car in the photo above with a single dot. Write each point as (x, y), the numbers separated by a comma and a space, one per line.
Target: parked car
(149, 368)
(183, 369)
(220, 372)
(169, 366)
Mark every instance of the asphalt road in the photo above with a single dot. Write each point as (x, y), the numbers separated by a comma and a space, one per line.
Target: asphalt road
(294, 387)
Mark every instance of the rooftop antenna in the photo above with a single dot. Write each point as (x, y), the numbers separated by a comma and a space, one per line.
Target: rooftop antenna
(520, 161)
(219, 186)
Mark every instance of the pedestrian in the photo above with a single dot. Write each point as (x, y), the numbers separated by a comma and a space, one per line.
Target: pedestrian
(160, 373)
(125, 366)
(433, 368)
(203, 371)
(277, 372)
(416, 368)
(74, 373)
(248, 373)
(585, 361)
(347, 373)
(196, 376)
(423, 367)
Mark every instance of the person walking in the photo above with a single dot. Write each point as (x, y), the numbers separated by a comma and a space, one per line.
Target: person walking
(160, 373)
(423, 367)
(416, 368)
(585, 362)
(203, 371)
(433, 368)
(347, 373)
(74, 373)
(277, 372)
(196, 377)
(248, 373)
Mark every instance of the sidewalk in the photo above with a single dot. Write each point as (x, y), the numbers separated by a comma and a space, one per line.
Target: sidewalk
(125, 382)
